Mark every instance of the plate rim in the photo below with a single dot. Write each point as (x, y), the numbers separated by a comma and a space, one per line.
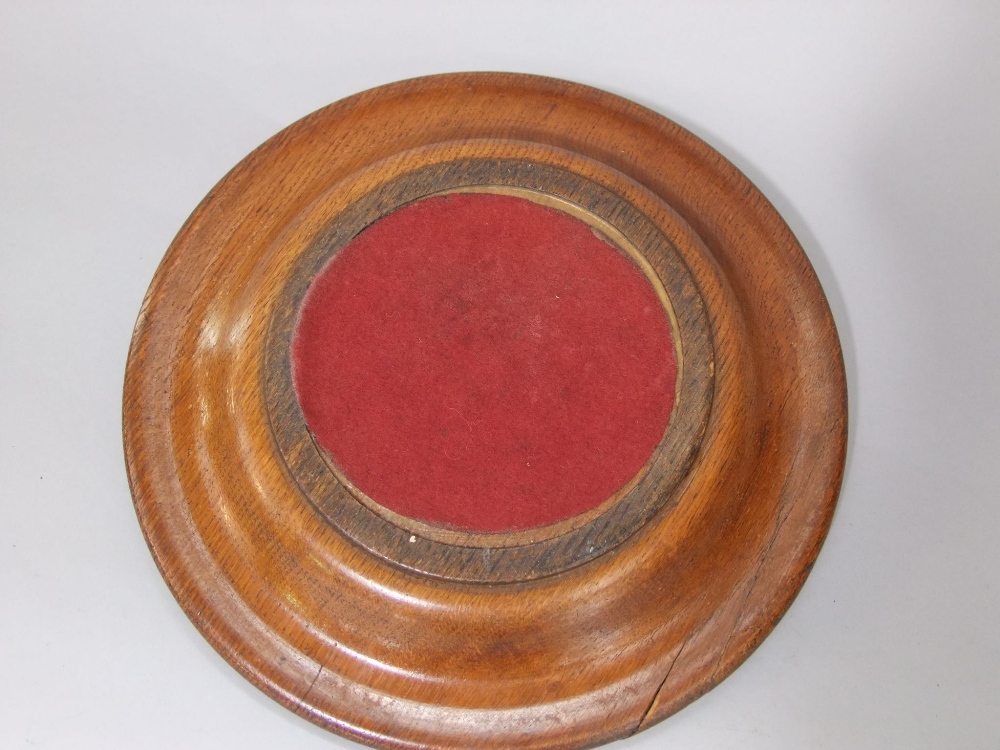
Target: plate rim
(220, 632)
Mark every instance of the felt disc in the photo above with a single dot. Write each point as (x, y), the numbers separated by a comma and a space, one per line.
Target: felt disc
(481, 362)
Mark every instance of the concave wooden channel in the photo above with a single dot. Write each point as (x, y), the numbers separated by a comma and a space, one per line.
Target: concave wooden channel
(397, 631)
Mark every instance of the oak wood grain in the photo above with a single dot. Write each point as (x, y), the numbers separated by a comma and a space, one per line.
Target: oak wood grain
(364, 643)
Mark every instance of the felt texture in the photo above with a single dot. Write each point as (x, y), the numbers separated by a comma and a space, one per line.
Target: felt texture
(482, 362)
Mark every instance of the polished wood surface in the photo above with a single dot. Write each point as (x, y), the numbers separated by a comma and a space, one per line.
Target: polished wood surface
(379, 651)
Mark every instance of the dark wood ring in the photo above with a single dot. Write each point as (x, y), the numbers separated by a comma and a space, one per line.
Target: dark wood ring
(512, 556)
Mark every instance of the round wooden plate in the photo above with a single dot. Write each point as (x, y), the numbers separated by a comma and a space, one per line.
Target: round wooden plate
(398, 629)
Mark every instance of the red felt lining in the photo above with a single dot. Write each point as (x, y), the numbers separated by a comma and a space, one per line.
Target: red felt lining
(482, 362)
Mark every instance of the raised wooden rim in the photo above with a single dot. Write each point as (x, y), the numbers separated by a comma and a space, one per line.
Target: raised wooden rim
(395, 658)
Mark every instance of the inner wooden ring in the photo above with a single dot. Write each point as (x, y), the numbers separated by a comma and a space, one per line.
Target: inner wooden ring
(480, 362)
(511, 555)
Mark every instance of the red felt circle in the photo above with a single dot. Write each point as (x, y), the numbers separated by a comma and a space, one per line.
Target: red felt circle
(482, 362)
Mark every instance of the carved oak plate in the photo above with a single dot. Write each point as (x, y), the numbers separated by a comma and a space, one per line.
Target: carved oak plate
(485, 410)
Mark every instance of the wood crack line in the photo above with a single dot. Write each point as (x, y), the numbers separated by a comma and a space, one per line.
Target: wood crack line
(659, 688)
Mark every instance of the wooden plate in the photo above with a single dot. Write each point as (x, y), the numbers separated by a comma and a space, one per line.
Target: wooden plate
(397, 631)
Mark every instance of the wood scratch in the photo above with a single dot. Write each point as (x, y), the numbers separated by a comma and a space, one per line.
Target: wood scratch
(312, 684)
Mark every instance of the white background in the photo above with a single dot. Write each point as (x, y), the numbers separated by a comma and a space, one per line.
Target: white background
(874, 127)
